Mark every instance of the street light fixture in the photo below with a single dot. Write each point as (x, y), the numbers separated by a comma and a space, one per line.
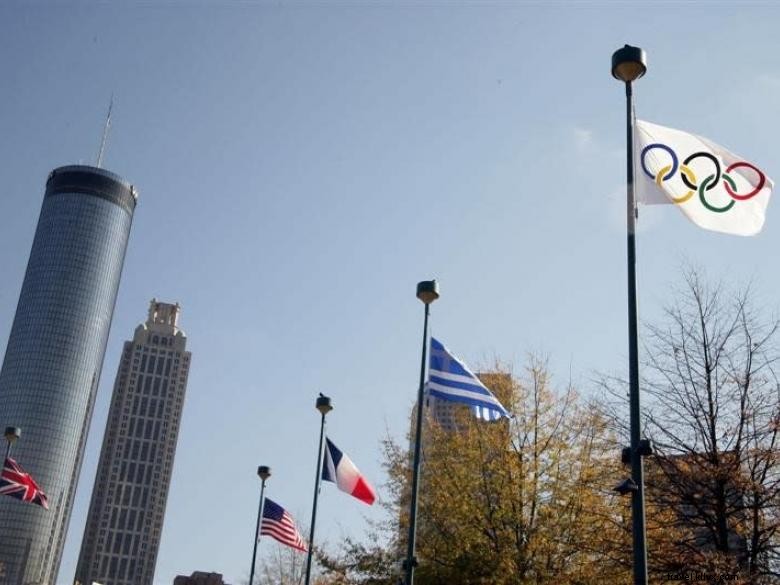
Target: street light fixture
(12, 434)
(427, 292)
(324, 405)
(264, 472)
(628, 65)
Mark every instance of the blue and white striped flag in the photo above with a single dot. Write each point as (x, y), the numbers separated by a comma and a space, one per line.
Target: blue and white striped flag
(450, 379)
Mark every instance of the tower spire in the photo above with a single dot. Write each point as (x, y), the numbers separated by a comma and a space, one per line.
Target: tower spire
(105, 133)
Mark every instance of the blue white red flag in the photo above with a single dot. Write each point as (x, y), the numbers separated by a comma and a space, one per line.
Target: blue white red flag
(339, 469)
(450, 379)
(17, 483)
(279, 525)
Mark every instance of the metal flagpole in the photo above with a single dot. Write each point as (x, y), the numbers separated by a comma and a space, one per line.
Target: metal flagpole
(324, 406)
(628, 65)
(264, 472)
(427, 292)
(11, 435)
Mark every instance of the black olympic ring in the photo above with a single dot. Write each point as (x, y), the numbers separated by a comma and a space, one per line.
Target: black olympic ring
(706, 155)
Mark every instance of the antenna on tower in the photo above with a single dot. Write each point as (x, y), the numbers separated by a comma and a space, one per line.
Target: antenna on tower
(105, 133)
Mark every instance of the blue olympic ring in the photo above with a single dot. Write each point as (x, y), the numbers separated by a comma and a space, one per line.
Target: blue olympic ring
(675, 162)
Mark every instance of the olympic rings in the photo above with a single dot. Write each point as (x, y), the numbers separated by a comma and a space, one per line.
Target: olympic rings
(688, 177)
(709, 156)
(704, 187)
(686, 172)
(754, 192)
(675, 162)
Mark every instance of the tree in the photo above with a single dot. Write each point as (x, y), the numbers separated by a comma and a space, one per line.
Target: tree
(710, 395)
(508, 503)
(280, 565)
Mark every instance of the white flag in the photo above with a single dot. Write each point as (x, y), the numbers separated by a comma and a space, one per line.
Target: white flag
(714, 188)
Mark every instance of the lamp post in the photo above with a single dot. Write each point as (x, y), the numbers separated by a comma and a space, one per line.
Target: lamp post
(264, 472)
(324, 406)
(628, 65)
(427, 292)
(11, 436)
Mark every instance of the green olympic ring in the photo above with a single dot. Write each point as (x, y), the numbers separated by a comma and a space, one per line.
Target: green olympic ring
(703, 187)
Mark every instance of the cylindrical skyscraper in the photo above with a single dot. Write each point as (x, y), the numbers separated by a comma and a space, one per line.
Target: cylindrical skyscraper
(54, 356)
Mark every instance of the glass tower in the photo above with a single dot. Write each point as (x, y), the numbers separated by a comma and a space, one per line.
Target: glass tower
(126, 514)
(54, 356)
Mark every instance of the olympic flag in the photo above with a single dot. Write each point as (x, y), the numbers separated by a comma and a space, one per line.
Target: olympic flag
(714, 188)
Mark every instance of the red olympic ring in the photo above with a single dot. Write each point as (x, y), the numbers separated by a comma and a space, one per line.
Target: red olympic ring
(754, 192)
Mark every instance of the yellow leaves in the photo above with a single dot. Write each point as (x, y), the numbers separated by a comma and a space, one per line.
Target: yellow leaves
(520, 501)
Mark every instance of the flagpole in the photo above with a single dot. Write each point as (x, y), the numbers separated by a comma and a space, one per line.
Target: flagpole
(324, 406)
(264, 472)
(628, 65)
(11, 435)
(427, 292)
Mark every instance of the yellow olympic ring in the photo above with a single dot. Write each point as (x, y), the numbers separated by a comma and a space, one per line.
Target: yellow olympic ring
(687, 171)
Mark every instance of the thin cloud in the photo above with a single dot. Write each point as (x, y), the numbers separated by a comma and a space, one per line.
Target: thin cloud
(769, 80)
(586, 143)
(583, 138)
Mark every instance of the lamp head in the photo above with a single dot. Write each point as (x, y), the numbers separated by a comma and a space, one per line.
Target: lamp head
(428, 291)
(629, 63)
(324, 404)
(625, 487)
(12, 434)
(264, 472)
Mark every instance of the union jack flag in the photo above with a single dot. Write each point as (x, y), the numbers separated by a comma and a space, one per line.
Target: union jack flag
(17, 483)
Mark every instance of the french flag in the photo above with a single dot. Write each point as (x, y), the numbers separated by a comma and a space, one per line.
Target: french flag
(340, 470)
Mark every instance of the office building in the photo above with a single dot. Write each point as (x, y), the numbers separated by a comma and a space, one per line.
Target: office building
(125, 519)
(451, 416)
(54, 356)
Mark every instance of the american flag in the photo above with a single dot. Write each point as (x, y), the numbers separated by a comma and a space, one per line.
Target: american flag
(15, 482)
(278, 524)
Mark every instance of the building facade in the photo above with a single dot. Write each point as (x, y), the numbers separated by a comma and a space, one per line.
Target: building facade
(54, 356)
(450, 415)
(125, 520)
(199, 578)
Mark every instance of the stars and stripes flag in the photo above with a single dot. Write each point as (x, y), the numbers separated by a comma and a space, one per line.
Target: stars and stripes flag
(17, 483)
(279, 525)
(450, 379)
(339, 469)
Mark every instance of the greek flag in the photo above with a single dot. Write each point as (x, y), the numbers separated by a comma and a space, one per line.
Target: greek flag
(450, 379)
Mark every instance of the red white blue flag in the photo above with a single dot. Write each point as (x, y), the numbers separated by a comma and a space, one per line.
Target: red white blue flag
(17, 483)
(279, 525)
(339, 469)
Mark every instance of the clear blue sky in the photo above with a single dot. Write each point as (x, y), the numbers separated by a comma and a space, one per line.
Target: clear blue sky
(302, 165)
